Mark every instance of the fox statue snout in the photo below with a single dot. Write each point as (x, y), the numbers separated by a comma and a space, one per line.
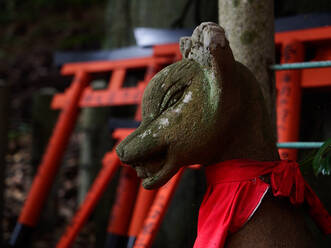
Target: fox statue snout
(175, 114)
(189, 108)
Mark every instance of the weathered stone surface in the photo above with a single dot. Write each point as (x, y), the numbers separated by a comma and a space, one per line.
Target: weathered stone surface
(205, 109)
(199, 110)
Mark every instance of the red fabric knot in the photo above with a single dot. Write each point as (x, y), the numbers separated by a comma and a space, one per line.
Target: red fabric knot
(287, 181)
(235, 191)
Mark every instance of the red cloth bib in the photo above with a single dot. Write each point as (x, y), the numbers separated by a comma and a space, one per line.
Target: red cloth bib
(235, 191)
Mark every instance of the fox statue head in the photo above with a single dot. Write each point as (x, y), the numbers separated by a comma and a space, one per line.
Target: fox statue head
(204, 109)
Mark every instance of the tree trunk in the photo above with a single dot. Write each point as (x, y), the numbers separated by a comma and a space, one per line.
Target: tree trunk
(249, 25)
(118, 22)
(4, 98)
(122, 16)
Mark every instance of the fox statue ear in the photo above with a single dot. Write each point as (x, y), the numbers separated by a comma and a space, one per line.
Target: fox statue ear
(185, 44)
(209, 47)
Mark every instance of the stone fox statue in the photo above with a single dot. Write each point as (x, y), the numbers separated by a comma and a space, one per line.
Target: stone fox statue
(208, 109)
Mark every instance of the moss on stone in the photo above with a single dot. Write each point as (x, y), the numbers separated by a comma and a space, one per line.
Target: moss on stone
(248, 37)
(236, 3)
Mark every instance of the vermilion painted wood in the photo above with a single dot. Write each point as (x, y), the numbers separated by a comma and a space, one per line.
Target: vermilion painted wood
(120, 215)
(127, 188)
(114, 95)
(157, 212)
(318, 77)
(144, 201)
(122, 133)
(168, 53)
(195, 166)
(171, 49)
(124, 96)
(289, 98)
(143, 210)
(304, 35)
(106, 66)
(110, 165)
(320, 38)
(116, 79)
(50, 163)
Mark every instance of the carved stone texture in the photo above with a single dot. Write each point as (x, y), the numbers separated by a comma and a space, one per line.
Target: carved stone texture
(204, 109)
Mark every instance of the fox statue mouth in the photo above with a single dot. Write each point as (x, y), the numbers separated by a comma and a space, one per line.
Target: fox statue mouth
(152, 169)
(147, 169)
(154, 173)
(149, 172)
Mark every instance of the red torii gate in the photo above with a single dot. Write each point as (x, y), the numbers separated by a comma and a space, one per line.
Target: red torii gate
(79, 94)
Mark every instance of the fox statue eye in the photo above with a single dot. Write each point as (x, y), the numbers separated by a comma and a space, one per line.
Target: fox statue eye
(174, 99)
(173, 95)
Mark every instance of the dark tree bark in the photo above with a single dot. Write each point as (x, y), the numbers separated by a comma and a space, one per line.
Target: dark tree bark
(123, 16)
(118, 24)
(4, 101)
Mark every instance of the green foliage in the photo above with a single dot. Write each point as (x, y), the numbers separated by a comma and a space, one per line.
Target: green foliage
(248, 36)
(319, 160)
(322, 160)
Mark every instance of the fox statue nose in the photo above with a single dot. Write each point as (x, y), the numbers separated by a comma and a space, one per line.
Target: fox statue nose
(120, 151)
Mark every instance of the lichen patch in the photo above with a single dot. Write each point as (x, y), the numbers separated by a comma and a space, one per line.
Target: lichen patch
(188, 97)
(178, 109)
(164, 122)
(144, 134)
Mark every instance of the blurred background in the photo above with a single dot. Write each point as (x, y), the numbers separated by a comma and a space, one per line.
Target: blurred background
(36, 38)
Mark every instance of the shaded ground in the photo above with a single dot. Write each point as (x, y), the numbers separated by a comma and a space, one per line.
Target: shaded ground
(30, 32)
(19, 175)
